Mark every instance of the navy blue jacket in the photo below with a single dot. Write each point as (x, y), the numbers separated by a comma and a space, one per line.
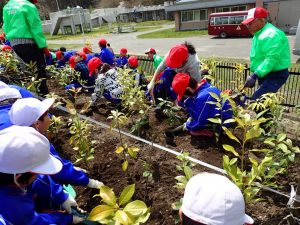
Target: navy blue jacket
(199, 110)
(18, 208)
(84, 73)
(122, 61)
(68, 174)
(106, 56)
(88, 58)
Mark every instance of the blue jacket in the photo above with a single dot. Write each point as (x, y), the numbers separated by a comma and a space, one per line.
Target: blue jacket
(199, 110)
(2, 221)
(67, 56)
(18, 209)
(4, 117)
(106, 56)
(47, 194)
(24, 92)
(122, 61)
(88, 58)
(68, 174)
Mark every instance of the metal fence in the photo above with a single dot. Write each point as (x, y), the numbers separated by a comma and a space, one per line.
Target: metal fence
(226, 79)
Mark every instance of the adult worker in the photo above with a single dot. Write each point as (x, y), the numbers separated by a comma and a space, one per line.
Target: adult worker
(213, 199)
(151, 53)
(23, 28)
(181, 58)
(269, 55)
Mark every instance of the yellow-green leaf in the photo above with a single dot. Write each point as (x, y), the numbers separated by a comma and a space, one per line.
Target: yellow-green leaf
(253, 161)
(101, 212)
(136, 208)
(230, 135)
(188, 172)
(215, 120)
(254, 132)
(127, 194)
(181, 179)
(108, 196)
(132, 152)
(125, 165)
(215, 96)
(231, 149)
(119, 150)
(122, 218)
(281, 137)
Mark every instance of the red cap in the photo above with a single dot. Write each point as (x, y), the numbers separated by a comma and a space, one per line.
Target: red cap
(87, 49)
(94, 64)
(133, 61)
(123, 50)
(177, 55)
(180, 83)
(2, 36)
(6, 48)
(150, 50)
(58, 54)
(82, 54)
(255, 13)
(72, 62)
(102, 42)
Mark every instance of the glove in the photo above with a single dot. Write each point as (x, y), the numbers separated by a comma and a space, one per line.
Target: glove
(150, 86)
(68, 204)
(94, 183)
(80, 169)
(77, 219)
(250, 82)
(46, 52)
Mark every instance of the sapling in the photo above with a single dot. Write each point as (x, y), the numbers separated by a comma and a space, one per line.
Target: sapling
(171, 111)
(147, 174)
(55, 126)
(120, 210)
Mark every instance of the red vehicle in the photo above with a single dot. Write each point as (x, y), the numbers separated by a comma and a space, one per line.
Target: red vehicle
(228, 24)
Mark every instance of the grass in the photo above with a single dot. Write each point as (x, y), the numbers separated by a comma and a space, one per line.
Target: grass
(171, 33)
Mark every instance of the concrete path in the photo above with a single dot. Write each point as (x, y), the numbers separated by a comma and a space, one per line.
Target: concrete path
(206, 45)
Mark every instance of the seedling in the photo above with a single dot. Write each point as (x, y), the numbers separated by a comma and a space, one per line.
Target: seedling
(55, 126)
(119, 210)
(171, 111)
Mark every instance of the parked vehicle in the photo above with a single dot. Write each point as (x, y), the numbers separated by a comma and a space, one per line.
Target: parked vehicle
(228, 24)
(296, 49)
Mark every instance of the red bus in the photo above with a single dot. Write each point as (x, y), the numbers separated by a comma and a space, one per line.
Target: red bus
(228, 24)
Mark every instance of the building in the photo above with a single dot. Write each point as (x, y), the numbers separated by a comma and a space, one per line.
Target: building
(193, 14)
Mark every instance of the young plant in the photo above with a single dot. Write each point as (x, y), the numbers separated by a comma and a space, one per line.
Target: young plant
(55, 126)
(240, 77)
(30, 81)
(210, 65)
(171, 111)
(119, 210)
(65, 75)
(147, 174)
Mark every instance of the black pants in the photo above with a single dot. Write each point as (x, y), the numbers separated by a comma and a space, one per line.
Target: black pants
(31, 53)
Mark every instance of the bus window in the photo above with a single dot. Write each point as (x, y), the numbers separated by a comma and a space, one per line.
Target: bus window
(232, 19)
(218, 21)
(239, 19)
(224, 20)
(212, 21)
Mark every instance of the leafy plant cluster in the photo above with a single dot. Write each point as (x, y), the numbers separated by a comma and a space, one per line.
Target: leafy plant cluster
(171, 111)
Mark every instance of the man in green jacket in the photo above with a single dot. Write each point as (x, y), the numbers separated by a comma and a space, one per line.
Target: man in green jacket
(269, 55)
(23, 28)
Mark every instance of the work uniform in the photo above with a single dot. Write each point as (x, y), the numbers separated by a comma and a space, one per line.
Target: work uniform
(200, 110)
(23, 28)
(122, 61)
(108, 87)
(67, 55)
(106, 56)
(157, 60)
(269, 59)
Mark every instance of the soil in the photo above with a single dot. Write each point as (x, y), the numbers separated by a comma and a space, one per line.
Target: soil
(160, 194)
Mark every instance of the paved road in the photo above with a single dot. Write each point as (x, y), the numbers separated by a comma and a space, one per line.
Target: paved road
(206, 45)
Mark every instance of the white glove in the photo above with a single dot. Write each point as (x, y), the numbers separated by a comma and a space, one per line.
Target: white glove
(77, 219)
(94, 183)
(80, 169)
(150, 86)
(189, 120)
(68, 204)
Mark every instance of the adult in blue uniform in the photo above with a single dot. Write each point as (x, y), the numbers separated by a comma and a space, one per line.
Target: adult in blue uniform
(197, 105)
(105, 54)
(18, 169)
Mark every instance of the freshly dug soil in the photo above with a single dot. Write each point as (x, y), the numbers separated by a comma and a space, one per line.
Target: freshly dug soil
(159, 194)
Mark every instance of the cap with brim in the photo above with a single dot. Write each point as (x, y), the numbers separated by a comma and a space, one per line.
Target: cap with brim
(180, 83)
(23, 149)
(255, 13)
(26, 111)
(176, 56)
(93, 64)
(81, 54)
(9, 93)
(150, 50)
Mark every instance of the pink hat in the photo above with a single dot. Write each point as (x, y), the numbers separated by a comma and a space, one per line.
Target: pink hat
(93, 64)
(176, 56)
(133, 61)
(150, 50)
(180, 83)
(255, 13)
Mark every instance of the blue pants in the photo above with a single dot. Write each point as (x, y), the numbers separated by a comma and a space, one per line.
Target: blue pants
(271, 83)
(164, 89)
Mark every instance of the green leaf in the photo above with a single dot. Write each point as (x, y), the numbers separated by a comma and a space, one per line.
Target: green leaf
(101, 212)
(281, 137)
(133, 151)
(231, 149)
(127, 194)
(230, 135)
(143, 218)
(119, 150)
(136, 208)
(254, 132)
(125, 165)
(229, 121)
(215, 96)
(108, 196)
(283, 147)
(122, 218)
(253, 161)
(181, 179)
(188, 172)
(215, 120)
(233, 161)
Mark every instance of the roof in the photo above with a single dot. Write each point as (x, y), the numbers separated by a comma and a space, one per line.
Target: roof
(204, 4)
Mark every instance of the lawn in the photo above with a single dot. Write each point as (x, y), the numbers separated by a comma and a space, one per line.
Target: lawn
(171, 33)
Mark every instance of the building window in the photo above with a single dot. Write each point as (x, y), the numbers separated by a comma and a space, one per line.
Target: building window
(232, 8)
(194, 15)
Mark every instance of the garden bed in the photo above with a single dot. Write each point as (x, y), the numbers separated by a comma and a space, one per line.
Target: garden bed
(106, 166)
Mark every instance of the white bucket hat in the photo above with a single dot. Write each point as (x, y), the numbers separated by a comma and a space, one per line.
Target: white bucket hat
(213, 199)
(26, 111)
(23, 149)
(3, 85)
(9, 93)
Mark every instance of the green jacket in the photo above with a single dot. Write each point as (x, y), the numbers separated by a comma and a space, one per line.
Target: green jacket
(157, 60)
(270, 51)
(21, 20)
